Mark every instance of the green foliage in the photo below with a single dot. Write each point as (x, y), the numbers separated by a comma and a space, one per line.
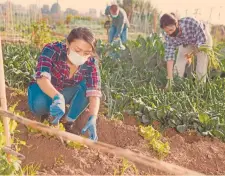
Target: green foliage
(59, 161)
(84, 18)
(10, 165)
(13, 110)
(147, 52)
(19, 64)
(132, 80)
(126, 165)
(46, 122)
(214, 62)
(40, 34)
(132, 83)
(155, 141)
(69, 18)
(75, 145)
(71, 144)
(30, 169)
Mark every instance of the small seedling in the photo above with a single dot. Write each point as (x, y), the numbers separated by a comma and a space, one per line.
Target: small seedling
(30, 169)
(75, 145)
(125, 166)
(59, 161)
(154, 140)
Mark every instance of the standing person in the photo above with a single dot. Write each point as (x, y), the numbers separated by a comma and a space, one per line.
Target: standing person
(68, 74)
(120, 23)
(188, 34)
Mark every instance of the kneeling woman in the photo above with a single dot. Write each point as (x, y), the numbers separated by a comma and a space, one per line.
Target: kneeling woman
(68, 74)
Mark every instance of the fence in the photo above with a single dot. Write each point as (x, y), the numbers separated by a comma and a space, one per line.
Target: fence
(15, 19)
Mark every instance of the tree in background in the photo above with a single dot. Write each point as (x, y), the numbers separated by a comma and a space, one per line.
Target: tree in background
(218, 33)
(40, 34)
(141, 8)
(128, 6)
(45, 9)
(55, 9)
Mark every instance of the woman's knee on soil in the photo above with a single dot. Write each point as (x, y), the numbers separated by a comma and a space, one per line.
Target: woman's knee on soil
(41, 106)
(39, 103)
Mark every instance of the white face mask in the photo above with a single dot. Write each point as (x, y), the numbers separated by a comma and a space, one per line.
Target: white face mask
(76, 59)
(114, 16)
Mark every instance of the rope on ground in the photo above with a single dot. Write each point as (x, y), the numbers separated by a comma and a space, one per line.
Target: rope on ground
(103, 147)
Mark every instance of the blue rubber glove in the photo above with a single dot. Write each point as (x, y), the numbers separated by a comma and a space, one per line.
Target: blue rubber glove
(91, 127)
(57, 108)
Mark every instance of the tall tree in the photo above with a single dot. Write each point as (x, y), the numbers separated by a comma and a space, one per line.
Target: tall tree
(128, 6)
(140, 6)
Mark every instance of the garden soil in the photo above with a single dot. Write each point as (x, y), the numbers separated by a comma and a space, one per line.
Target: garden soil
(201, 154)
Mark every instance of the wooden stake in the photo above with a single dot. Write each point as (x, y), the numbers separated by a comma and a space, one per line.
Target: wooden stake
(132, 156)
(3, 98)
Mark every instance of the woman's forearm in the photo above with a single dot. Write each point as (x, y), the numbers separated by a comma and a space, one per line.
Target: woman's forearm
(94, 104)
(47, 87)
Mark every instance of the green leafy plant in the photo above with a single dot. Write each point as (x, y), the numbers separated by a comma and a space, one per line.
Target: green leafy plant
(40, 34)
(71, 144)
(59, 160)
(132, 81)
(131, 85)
(46, 122)
(13, 109)
(30, 169)
(154, 140)
(75, 145)
(126, 165)
(19, 64)
(10, 164)
(147, 52)
(214, 62)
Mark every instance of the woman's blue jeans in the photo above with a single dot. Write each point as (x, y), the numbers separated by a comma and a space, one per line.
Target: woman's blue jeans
(39, 103)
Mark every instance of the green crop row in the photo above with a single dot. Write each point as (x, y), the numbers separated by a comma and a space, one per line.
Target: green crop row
(132, 82)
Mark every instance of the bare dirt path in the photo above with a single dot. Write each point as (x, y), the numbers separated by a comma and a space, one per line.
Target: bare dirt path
(202, 154)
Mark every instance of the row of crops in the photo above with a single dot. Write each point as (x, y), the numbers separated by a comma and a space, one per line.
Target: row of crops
(132, 82)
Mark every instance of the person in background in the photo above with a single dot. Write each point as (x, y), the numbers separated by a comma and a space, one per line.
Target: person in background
(120, 23)
(68, 74)
(188, 35)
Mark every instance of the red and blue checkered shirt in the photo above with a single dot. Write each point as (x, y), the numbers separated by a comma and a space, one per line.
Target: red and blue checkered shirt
(193, 33)
(52, 64)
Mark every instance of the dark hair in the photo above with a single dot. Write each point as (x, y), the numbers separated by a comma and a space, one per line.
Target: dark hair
(168, 19)
(82, 33)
